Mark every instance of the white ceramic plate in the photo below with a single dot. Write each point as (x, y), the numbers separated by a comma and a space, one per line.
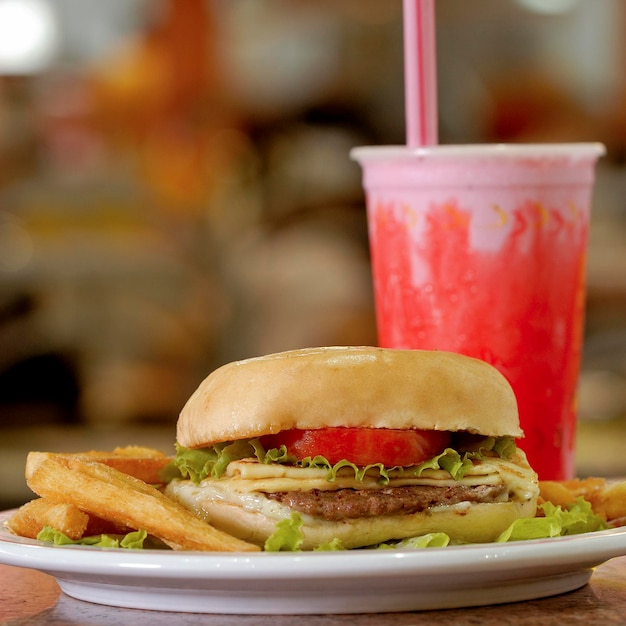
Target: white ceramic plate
(318, 582)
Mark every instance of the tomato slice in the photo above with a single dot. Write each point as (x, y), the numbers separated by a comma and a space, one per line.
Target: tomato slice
(362, 446)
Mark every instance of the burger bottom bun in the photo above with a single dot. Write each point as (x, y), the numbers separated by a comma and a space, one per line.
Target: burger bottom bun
(465, 523)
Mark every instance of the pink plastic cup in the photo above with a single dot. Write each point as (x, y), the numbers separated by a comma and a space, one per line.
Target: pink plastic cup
(481, 250)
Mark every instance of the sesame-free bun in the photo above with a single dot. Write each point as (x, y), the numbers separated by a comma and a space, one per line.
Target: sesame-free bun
(351, 387)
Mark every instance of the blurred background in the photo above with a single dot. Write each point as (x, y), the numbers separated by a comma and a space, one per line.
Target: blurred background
(176, 192)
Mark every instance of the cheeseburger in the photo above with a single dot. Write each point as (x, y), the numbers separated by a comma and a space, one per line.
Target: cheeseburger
(360, 445)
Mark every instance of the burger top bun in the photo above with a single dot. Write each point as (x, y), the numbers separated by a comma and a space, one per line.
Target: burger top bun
(351, 387)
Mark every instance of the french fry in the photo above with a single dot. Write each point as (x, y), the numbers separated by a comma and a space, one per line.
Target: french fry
(610, 502)
(31, 518)
(567, 491)
(140, 462)
(139, 451)
(556, 492)
(122, 499)
(586, 487)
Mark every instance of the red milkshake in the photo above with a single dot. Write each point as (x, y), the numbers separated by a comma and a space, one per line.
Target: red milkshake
(481, 250)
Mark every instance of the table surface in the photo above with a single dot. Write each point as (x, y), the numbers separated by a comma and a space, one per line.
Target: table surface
(31, 597)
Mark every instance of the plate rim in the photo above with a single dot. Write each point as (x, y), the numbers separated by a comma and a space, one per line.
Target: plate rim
(351, 581)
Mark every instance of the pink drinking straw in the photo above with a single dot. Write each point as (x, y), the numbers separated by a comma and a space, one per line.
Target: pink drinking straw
(420, 72)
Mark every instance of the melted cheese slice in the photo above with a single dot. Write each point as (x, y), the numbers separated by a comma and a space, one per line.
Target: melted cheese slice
(273, 478)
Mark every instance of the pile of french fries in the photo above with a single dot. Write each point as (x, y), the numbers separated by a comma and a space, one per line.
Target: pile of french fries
(92, 493)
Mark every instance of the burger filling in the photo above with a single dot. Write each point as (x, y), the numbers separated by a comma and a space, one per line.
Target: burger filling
(274, 483)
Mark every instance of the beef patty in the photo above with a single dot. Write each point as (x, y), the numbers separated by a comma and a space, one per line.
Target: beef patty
(354, 503)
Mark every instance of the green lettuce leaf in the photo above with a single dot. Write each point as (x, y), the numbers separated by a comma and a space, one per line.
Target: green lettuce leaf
(504, 447)
(287, 537)
(332, 470)
(578, 518)
(132, 541)
(212, 461)
(274, 455)
(556, 522)
(457, 463)
(531, 528)
(449, 460)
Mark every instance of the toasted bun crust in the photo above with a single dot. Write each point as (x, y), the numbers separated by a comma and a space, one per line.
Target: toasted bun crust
(351, 387)
(465, 523)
